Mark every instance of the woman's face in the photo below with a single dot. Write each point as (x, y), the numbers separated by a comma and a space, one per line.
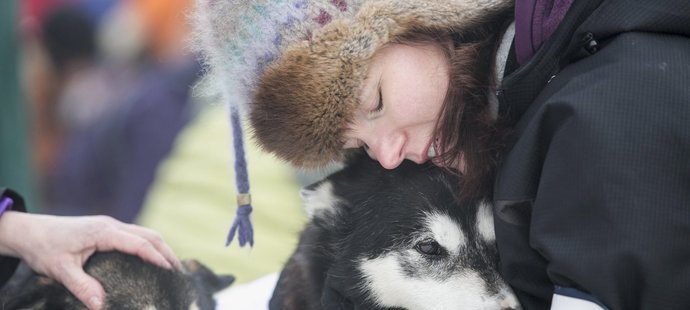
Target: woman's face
(400, 103)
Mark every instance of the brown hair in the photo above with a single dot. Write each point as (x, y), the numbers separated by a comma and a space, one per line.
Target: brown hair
(466, 127)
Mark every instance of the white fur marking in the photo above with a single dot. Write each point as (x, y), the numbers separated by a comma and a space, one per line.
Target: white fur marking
(485, 222)
(318, 200)
(390, 287)
(446, 231)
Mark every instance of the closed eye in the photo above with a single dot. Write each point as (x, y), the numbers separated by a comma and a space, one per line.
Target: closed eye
(379, 106)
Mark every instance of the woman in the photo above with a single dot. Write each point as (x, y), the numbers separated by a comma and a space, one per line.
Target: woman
(592, 188)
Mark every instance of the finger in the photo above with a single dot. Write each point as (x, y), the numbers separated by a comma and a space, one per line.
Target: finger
(124, 241)
(82, 286)
(157, 242)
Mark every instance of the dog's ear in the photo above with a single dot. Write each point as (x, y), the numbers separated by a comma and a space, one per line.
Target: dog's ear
(206, 278)
(319, 199)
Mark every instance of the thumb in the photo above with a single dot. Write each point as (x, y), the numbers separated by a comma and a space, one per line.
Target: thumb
(84, 287)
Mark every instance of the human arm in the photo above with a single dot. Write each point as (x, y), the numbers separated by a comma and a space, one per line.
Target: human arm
(59, 246)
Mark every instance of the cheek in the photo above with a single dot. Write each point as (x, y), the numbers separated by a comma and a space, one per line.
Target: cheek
(411, 108)
(436, 104)
(360, 130)
(425, 105)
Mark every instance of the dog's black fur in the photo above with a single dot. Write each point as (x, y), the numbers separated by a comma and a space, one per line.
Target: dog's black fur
(375, 210)
(129, 282)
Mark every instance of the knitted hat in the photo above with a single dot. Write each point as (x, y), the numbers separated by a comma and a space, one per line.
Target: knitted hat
(238, 38)
(296, 66)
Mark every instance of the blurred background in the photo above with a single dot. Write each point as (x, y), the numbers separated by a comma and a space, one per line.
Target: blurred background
(100, 116)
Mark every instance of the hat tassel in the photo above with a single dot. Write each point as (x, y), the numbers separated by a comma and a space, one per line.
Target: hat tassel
(242, 222)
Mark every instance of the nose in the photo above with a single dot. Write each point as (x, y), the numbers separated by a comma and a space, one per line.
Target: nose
(388, 150)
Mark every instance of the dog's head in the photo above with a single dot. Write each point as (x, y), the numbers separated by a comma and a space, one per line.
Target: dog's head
(401, 239)
(129, 282)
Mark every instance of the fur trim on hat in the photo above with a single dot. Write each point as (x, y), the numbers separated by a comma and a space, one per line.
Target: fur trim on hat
(304, 101)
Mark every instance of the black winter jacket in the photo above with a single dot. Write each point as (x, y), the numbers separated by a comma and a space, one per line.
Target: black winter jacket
(593, 195)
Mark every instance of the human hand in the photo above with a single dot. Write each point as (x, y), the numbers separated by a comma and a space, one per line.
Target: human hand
(59, 246)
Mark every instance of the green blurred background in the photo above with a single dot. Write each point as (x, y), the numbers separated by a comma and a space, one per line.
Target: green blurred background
(14, 152)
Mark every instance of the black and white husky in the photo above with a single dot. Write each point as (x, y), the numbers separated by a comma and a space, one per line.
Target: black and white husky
(391, 239)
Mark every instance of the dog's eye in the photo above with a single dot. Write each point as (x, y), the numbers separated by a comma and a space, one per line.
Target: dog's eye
(428, 247)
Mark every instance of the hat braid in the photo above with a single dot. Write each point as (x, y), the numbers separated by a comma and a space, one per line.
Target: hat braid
(244, 208)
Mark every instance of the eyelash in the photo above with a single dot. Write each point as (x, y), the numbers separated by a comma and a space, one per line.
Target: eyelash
(379, 107)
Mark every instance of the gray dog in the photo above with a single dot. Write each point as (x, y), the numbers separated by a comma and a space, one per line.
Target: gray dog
(129, 282)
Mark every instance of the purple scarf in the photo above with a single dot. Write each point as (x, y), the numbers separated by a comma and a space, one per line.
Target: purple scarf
(535, 21)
